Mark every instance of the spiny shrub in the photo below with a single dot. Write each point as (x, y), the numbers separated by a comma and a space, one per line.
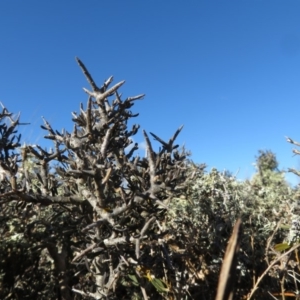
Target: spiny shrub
(90, 219)
(87, 218)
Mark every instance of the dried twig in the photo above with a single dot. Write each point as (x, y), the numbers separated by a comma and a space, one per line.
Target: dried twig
(228, 271)
(269, 268)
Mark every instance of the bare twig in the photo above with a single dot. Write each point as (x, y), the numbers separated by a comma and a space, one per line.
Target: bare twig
(228, 271)
(269, 268)
(87, 75)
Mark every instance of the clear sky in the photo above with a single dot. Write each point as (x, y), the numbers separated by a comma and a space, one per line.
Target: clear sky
(229, 71)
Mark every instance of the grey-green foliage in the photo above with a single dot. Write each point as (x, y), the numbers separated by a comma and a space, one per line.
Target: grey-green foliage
(203, 219)
(277, 198)
(267, 168)
(266, 160)
(161, 235)
(293, 227)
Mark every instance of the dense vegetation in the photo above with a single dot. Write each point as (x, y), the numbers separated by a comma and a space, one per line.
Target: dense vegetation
(89, 219)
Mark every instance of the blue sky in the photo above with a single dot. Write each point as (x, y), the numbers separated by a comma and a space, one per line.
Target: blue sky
(229, 71)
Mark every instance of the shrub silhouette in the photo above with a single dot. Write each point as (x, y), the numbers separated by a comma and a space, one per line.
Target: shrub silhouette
(90, 219)
(88, 214)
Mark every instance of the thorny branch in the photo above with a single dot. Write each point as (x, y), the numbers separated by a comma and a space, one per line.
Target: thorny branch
(107, 200)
